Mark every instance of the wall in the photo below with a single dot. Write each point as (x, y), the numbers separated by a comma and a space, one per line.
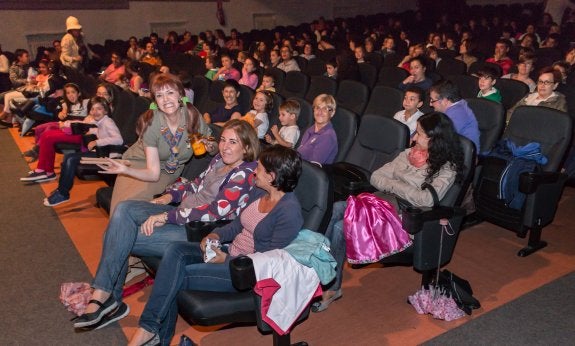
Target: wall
(102, 24)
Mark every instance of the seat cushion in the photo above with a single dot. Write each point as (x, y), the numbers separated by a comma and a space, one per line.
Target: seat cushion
(209, 308)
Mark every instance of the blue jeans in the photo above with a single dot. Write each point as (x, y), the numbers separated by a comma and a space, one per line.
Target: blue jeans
(123, 237)
(336, 237)
(182, 268)
(68, 171)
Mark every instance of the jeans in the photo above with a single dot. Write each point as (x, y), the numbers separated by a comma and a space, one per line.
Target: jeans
(336, 237)
(123, 237)
(68, 170)
(182, 268)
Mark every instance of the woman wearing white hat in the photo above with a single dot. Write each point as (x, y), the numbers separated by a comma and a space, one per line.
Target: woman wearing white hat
(72, 44)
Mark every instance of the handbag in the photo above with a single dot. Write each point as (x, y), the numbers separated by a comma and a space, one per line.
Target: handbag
(459, 289)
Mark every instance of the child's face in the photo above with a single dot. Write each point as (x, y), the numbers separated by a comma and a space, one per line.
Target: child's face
(249, 65)
(268, 82)
(103, 92)
(525, 67)
(411, 101)
(98, 111)
(209, 64)
(259, 102)
(286, 118)
(331, 70)
(486, 83)
(72, 95)
(226, 62)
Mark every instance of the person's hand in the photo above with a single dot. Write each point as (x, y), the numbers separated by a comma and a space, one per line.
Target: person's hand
(61, 116)
(211, 145)
(409, 79)
(92, 145)
(162, 200)
(78, 58)
(112, 167)
(275, 131)
(268, 138)
(220, 256)
(147, 228)
(212, 236)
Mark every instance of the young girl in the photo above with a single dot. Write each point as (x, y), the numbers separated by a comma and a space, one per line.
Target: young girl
(249, 75)
(73, 108)
(136, 81)
(262, 103)
(105, 133)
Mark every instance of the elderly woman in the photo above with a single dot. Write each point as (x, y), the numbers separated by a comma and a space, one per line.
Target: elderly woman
(271, 221)
(147, 228)
(319, 142)
(436, 158)
(158, 157)
(545, 95)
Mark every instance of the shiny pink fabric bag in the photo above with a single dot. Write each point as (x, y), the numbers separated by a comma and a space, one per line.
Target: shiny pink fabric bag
(372, 229)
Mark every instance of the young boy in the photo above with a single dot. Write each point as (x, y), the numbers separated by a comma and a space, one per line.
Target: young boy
(412, 100)
(487, 78)
(331, 69)
(289, 132)
(268, 83)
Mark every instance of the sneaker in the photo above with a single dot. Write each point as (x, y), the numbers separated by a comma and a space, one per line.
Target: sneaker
(121, 311)
(35, 176)
(55, 198)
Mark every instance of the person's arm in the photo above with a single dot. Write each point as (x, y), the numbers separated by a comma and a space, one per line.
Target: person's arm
(382, 177)
(137, 84)
(423, 198)
(150, 173)
(108, 134)
(4, 64)
(16, 82)
(282, 228)
(230, 198)
(323, 148)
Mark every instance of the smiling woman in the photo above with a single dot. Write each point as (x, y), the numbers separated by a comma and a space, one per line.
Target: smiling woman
(158, 157)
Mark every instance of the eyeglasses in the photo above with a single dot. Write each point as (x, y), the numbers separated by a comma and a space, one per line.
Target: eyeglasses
(324, 109)
(545, 82)
(432, 101)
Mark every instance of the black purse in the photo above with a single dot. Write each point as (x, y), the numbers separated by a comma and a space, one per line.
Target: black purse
(459, 289)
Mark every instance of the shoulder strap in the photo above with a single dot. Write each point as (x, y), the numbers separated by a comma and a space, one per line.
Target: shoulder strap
(431, 189)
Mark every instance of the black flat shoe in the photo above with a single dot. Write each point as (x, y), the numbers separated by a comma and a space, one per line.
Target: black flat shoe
(94, 317)
(153, 341)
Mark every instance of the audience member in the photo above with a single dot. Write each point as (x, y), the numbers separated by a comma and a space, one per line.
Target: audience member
(288, 63)
(249, 74)
(288, 134)
(500, 57)
(230, 110)
(487, 77)
(262, 104)
(227, 71)
(319, 141)
(417, 77)
(412, 101)
(116, 71)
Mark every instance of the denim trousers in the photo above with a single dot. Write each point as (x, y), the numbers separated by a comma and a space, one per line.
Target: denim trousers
(182, 268)
(336, 238)
(123, 237)
(68, 170)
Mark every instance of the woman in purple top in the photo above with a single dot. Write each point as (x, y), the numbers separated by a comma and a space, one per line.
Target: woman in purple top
(319, 142)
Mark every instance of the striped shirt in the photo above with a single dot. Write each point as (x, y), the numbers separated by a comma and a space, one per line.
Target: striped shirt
(243, 243)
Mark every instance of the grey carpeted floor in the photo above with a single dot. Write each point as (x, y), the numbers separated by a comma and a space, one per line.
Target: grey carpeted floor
(545, 316)
(36, 256)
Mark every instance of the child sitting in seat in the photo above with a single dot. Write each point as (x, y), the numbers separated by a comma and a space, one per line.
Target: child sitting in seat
(268, 83)
(288, 134)
(262, 104)
(211, 66)
(331, 69)
(412, 100)
(487, 79)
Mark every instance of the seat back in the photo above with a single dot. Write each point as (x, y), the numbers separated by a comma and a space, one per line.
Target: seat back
(315, 67)
(479, 65)
(512, 91)
(391, 76)
(245, 98)
(378, 141)
(449, 66)
(352, 95)
(215, 97)
(201, 88)
(491, 120)
(550, 127)
(305, 119)
(368, 74)
(345, 124)
(295, 84)
(273, 115)
(384, 101)
(320, 85)
(313, 192)
(278, 75)
(468, 85)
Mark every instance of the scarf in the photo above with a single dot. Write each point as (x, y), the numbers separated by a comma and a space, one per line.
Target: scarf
(417, 157)
(172, 163)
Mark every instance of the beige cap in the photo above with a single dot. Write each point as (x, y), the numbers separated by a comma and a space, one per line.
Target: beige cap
(72, 23)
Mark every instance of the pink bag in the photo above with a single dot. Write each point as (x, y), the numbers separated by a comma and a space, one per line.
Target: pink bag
(372, 229)
(75, 296)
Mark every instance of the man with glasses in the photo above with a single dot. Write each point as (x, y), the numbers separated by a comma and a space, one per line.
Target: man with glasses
(444, 97)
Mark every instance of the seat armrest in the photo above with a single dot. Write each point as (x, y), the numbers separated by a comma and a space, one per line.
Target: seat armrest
(413, 218)
(197, 230)
(529, 182)
(242, 273)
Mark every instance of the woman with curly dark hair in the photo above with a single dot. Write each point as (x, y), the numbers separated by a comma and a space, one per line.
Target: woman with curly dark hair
(435, 158)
